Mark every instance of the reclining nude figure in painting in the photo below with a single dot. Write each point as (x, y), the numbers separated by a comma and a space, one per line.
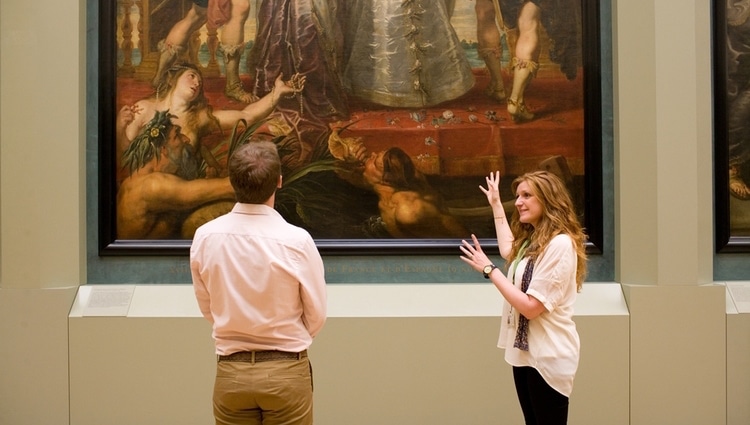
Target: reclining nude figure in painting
(161, 188)
(181, 92)
(409, 206)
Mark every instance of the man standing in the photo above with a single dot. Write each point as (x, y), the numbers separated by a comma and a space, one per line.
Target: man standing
(260, 282)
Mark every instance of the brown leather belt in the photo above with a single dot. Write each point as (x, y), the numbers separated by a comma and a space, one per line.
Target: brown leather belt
(262, 356)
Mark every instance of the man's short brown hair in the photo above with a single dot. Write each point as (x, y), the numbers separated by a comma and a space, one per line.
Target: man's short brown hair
(254, 171)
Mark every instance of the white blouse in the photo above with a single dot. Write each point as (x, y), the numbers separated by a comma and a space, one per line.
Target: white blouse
(554, 346)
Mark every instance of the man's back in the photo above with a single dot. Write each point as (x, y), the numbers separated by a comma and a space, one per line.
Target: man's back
(259, 280)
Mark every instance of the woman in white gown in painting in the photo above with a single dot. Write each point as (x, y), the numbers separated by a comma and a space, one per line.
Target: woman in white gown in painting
(404, 53)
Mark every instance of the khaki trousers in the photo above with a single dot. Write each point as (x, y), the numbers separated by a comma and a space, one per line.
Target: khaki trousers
(276, 392)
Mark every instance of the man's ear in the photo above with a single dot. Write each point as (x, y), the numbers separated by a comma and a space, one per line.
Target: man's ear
(278, 186)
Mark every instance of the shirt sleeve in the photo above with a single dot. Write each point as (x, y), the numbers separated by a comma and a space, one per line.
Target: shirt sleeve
(553, 271)
(199, 286)
(313, 289)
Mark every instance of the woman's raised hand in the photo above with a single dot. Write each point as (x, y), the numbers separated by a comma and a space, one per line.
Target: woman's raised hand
(493, 189)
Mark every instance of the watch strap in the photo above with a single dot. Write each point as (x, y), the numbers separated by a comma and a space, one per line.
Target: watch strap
(487, 274)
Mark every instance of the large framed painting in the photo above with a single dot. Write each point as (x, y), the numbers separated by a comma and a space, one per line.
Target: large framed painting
(387, 114)
(732, 124)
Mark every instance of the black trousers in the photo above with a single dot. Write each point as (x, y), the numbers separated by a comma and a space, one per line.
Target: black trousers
(540, 403)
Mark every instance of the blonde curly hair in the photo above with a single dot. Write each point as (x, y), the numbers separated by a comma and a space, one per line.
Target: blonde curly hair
(558, 217)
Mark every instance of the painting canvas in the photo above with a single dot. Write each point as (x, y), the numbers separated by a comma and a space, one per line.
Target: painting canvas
(387, 115)
(732, 124)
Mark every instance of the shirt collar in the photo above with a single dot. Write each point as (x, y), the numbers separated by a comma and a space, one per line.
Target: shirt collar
(256, 209)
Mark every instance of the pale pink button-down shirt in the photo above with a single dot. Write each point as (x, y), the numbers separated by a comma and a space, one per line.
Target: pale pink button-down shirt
(259, 280)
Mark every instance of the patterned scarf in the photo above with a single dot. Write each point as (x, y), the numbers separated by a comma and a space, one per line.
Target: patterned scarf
(522, 334)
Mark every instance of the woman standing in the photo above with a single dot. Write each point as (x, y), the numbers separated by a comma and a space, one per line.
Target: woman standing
(544, 247)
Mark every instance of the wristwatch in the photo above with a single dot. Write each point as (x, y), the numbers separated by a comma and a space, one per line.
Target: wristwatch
(487, 270)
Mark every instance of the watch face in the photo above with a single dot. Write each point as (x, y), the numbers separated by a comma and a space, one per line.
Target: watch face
(488, 269)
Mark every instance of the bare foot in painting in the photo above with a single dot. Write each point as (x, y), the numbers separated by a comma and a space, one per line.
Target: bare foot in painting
(737, 186)
(236, 92)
